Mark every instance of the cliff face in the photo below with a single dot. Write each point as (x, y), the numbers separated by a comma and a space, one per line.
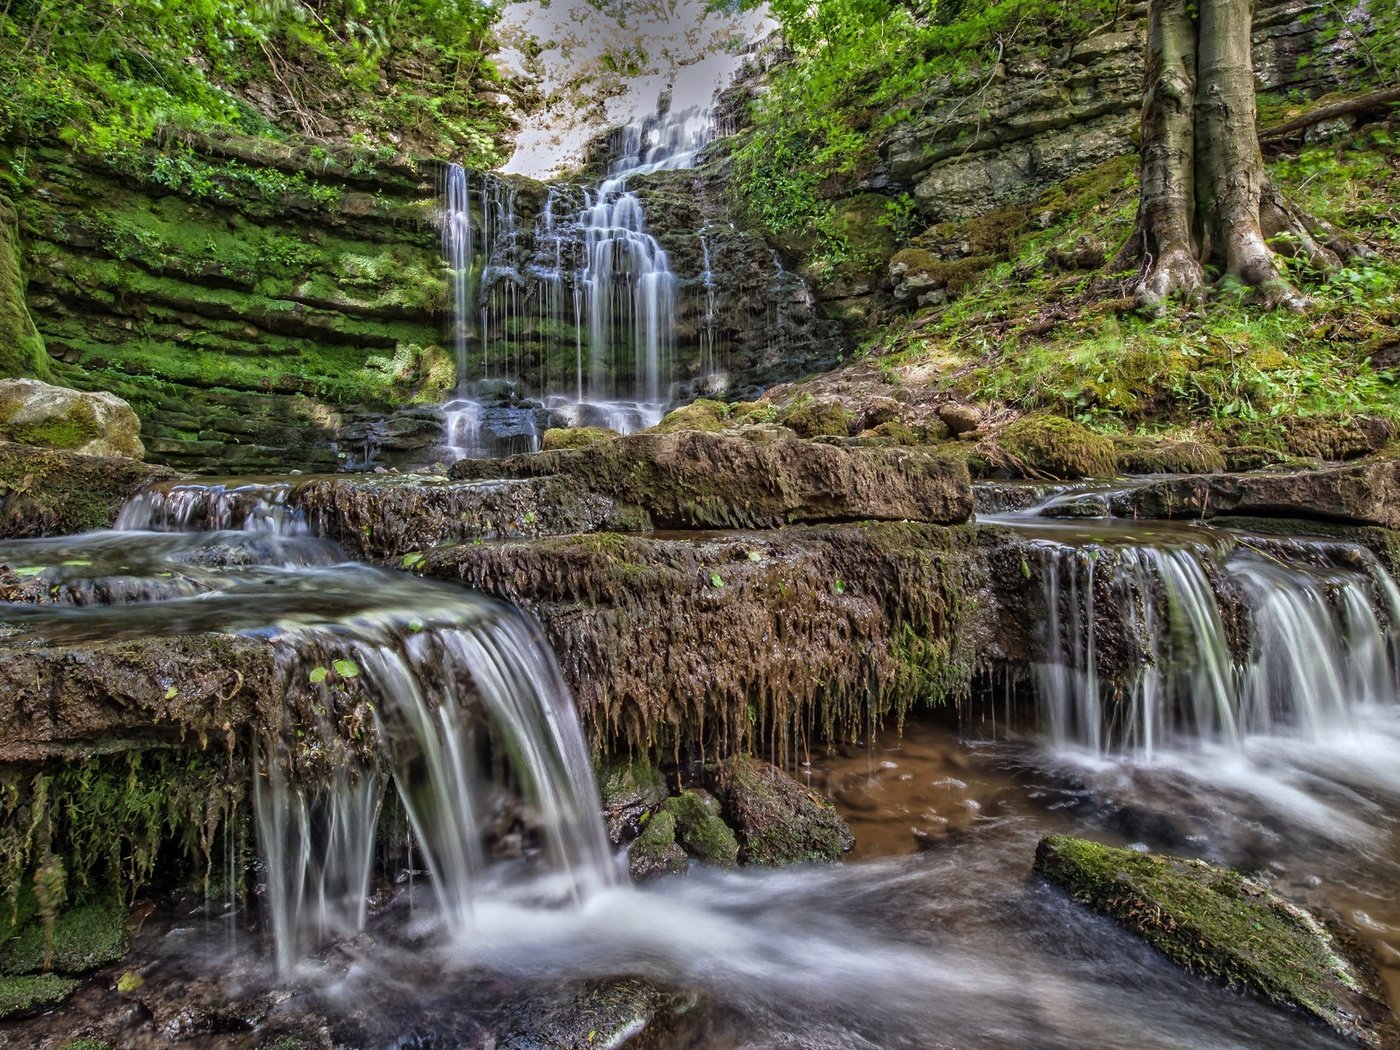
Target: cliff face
(246, 297)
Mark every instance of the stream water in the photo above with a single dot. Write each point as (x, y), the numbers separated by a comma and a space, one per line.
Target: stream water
(932, 935)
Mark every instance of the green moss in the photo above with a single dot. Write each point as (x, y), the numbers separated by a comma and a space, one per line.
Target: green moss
(25, 995)
(1215, 922)
(701, 830)
(809, 417)
(575, 437)
(1161, 454)
(655, 851)
(636, 782)
(22, 350)
(1043, 445)
(84, 938)
(702, 414)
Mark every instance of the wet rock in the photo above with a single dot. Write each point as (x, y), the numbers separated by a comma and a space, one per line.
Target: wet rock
(1226, 926)
(1051, 446)
(701, 829)
(27, 995)
(630, 792)
(699, 480)
(46, 492)
(91, 423)
(777, 820)
(1364, 493)
(655, 852)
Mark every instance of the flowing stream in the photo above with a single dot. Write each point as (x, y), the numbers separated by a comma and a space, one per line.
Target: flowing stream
(1225, 695)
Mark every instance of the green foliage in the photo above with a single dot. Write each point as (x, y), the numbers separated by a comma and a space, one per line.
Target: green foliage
(107, 75)
(860, 67)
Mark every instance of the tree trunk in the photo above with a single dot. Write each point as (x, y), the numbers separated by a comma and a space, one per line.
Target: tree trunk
(1206, 200)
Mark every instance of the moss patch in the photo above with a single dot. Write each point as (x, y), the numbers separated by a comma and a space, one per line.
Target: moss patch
(703, 414)
(1052, 446)
(25, 995)
(701, 830)
(575, 437)
(1220, 924)
(809, 417)
(1160, 454)
(84, 938)
(655, 851)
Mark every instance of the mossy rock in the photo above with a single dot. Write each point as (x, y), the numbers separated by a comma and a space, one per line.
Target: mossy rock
(1223, 925)
(22, 350)
(46, 492)
(630, 791)
(1052, 446)
(655, 851)
(704, 415)
(776, 820)
(1261, 457)
(84, 938)
(701, 830)
(575, 437)
(1157, 454)
(810, 418)
(27, 995)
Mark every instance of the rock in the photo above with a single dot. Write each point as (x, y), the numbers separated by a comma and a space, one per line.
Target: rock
(1150, 454)
(45, 492)
(1052, 446)
(810, 418)
(91, 423)
(776, 819)
(1364, 493)
(26, 995)
(959, 419)
(575, 437)
(693, 480)
(701, 830)
(654, 852)
(1226, 926)
(630, 792)
(702, 414)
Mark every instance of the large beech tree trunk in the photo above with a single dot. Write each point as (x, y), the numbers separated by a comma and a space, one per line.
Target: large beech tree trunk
(1206, 200)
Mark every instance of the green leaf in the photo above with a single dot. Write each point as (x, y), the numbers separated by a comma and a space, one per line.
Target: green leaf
(413, 560)
(839, 586)
(318, 675)
(716, 580)
(30, 570)
(755, 556)
(346, 668)
(172, 693)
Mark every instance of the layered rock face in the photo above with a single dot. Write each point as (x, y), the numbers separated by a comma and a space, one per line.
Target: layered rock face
(243, 296)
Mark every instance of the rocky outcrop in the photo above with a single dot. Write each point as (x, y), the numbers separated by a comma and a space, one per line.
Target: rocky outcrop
(240, 294)
(46, 492)
(21, 347)
(93, 423)
(699, 480)
(1225, 926)
(1362, 493)
(777, 820)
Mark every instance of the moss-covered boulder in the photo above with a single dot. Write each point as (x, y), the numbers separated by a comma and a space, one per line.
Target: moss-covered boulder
(1156, 454)
(27, 995)
(697, 480)
(704, 415)
(655, 851)
(810, 417)
(1224, 925)
(575, 437)
(1052, 446)
(776, 819)
(46, 492)
(631, 791)
(92, 423)
(701, 829)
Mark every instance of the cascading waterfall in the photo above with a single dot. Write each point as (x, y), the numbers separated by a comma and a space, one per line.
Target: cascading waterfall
(591, 306)
(445, 703)
(1210, 638)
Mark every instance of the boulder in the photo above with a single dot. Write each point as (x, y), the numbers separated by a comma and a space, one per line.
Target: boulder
(1363, 493)
(575, 437)
(1052, 446)
(777, 820)
(1226, 926)
(690, 480)
(93, 423)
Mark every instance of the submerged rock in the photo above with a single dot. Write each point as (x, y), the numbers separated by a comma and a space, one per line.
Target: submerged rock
(1224, 925)
(90, 422)
(692, 479)
(777, 820)
(47, 492)
(701, 830)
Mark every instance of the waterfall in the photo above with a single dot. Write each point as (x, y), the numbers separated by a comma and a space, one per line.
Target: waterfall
(587, 301)
(1153, 647)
